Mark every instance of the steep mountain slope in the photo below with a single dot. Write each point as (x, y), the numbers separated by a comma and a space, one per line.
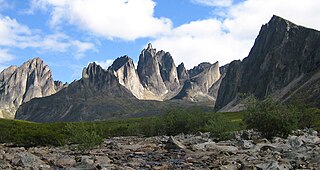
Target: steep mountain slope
(127, 75)
(18, 85)
(97, 96)
(149, 72)
(284, 57)
(158, 74)
(201, 79)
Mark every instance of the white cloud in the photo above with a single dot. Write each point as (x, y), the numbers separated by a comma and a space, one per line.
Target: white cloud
(232, 38)
(123, 19)
(13, 34)
(202, 41)
(105, 64)
(5, 56)
(214, 3)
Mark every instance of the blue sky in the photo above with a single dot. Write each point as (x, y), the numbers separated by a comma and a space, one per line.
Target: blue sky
(69, 34)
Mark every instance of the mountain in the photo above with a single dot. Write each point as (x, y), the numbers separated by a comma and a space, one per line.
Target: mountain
(124, 91)
(33, 79)
(200, 80)
(124, 70)
(283, 63)
(158, 74)
(98, 95)
(158, 78)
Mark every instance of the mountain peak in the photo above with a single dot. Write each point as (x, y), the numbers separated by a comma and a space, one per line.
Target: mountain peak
(32, 79)
(149, 46)
(280, 22)
(121, 61)
(92, 69)
(36, 61)
(276, 18)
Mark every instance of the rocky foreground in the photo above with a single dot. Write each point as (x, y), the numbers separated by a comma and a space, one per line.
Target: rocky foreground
(247, 151)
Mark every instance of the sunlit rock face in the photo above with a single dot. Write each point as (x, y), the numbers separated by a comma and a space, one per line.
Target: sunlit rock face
(33, 79)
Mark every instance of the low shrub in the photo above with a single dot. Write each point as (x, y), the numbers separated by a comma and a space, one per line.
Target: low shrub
(84, 136)
(220, 127)
(270, 118)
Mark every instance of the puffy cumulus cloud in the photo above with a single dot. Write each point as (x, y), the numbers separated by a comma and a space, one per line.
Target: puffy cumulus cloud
(13, 34)
(232, 38)
(214, 3)
(202, 41)
(121, 19)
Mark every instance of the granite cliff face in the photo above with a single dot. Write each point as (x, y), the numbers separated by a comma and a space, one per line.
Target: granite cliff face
(127, 75)
(283, 61)
(200, 83)
(33, 79)
(149, 72)
(182, 73)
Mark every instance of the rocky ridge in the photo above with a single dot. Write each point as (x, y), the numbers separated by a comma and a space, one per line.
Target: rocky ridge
(247, 151)
(98, 95)
(162, 80)
(123, 91)
(33, 79)
(284, 63)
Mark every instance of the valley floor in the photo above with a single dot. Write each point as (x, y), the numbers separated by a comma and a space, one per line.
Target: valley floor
(301, 151)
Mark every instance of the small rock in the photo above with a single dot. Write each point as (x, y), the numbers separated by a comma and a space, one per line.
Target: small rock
(246, 144)
(27, 160)
(4, 164)
(228, 167)
(265, 148)
(294, 141)
(173, 144)
(202, 146)
(87, 160)
(310, 139)
(65, 161)
(271, 166)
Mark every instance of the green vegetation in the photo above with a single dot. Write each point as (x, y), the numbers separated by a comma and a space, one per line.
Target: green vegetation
(86, 135)
(272, 118)
(221, 128)
(267, 116)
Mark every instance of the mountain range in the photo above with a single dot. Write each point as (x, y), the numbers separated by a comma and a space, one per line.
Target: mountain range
(124, 91)
(283, 63)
